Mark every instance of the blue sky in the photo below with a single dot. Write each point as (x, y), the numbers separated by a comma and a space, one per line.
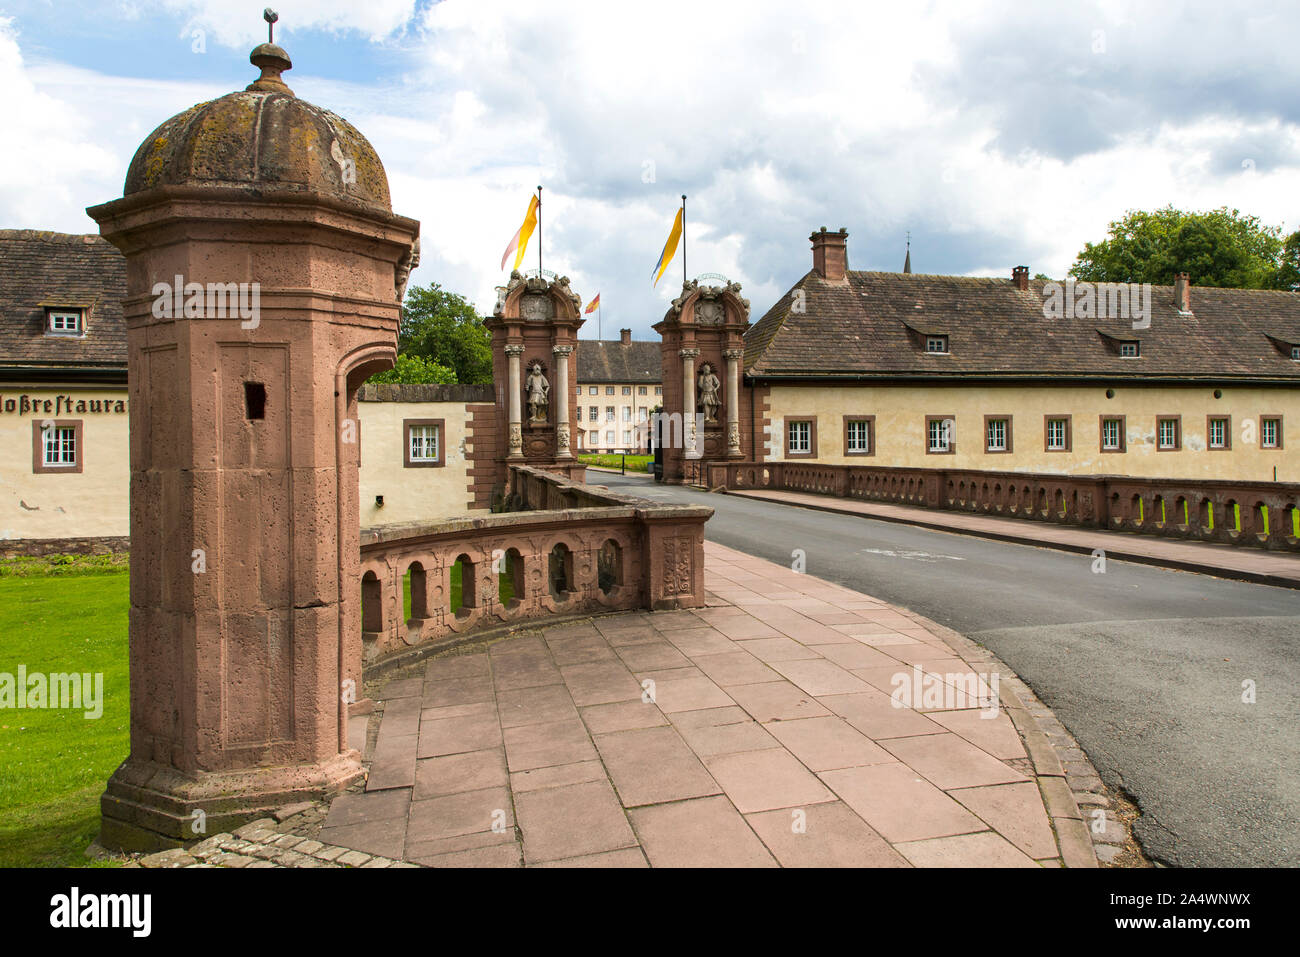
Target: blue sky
(996, 133)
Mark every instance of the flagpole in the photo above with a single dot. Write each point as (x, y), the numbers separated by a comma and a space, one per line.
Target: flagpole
(599, 321)
(683, 239)
(539, 232)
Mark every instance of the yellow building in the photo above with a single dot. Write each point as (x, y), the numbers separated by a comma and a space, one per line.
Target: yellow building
(903, 370)
(619, 383)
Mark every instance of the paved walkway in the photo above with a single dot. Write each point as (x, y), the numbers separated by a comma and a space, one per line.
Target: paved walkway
(1212, 558)
(758, 731)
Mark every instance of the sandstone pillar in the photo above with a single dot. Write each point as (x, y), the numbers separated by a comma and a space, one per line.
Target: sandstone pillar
(733, 357)
(691, 439)
(561, 387)
(516, 417)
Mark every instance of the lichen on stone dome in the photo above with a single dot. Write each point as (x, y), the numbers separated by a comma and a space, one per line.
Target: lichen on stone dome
(263, 138)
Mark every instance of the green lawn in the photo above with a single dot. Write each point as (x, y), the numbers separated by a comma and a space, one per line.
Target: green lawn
(635, 463)
(505, 590)
(60, 617)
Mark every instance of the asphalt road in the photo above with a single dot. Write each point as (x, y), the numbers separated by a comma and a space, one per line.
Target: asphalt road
(1145, 666)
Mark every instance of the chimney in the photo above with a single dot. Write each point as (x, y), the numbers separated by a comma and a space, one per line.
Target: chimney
(1020, 276)
(1183, 292)
(830, 257)
(625, 336)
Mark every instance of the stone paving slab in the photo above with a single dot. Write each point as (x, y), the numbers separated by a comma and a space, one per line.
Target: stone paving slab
(759, 731)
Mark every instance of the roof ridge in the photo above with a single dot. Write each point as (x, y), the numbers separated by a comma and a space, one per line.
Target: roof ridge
(50, 236)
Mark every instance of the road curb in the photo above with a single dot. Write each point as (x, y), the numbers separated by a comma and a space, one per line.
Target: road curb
(1200, 568)
(1079, 805)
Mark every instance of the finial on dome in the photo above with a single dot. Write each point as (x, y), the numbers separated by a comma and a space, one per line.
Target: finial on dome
(273, 60)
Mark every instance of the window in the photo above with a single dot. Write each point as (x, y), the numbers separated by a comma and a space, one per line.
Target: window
(627, 390)
(64, 322)
(627, 436)
(659, 390)
(578, 410)
(1295, 353)
(593, 413)
(997, 433)
(609, 413)
(941, 434)
(1130, 350)
(609, 438)
(594, 440)
(609, 390)
(642, 414)
(640, 390)
(56, 447)
(593, 391)
(1168, 437)
(938, 345)
(1057, 428)
(800, 437)
(1270, 432)
(423, 443)
(1112, 434)
(1218, 433)
(857, 435)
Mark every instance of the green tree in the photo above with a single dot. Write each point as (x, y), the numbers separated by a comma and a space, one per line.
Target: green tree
(1220, 247)
(415, 370)
(1289, 271)
(445, 329)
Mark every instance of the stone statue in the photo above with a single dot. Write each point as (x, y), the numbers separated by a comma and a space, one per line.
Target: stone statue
(538, 389)
(707, 386)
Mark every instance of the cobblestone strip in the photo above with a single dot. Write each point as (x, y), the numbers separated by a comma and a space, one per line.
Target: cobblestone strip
(1093, 824)
(280, 841)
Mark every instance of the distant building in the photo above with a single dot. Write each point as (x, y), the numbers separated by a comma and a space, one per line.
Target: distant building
(619, 384)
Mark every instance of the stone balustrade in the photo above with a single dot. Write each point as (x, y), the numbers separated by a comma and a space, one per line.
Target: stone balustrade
(564, 548)
(1259, 514)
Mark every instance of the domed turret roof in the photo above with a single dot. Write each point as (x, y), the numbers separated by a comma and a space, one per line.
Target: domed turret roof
(262, 137)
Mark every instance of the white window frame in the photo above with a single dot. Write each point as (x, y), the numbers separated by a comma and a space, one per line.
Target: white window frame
(1266, 425)
(1057, 444)
(936, 345)
(995, 435)
(1219, 425)
(59, 447)
(1108, 425)
(799, 436)
(938, 439)
(61, 317)
(427, 435)
(859, 444)
(1160, 435)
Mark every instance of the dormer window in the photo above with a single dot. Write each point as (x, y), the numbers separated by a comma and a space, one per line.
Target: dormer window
(65, 322)
(936, 345)
(1130, 350)
(1295, 353)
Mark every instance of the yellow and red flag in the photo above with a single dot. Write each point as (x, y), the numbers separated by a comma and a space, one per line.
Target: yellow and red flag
(670, 247)
(592, 306)
(519, 243)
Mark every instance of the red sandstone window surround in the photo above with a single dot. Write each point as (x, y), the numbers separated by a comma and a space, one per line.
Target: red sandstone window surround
(1169, 433)
(997, 434)
(1058, 435)
(1218, 433)
(859, 435)
(801, 437)
(57, 448)
(424, 443)
(1114, 436)
(940, 434)
(1270, 431)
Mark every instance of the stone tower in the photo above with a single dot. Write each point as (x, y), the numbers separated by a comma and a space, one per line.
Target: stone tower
(534, 330)
(703, 353)
(265, 274)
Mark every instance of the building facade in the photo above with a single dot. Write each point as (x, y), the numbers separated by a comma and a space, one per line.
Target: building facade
(906, 370)
(619, 385)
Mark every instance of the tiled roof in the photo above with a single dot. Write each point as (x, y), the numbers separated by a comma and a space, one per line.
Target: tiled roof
(875, 324)
(636, 362)
(40, 269)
